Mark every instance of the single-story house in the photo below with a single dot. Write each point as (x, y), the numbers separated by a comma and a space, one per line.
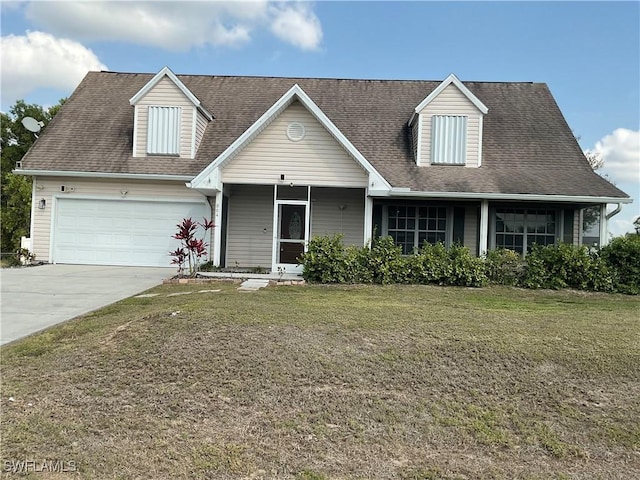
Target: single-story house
(275, 161)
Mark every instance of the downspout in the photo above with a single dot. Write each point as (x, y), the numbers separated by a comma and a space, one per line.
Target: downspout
(615, 212)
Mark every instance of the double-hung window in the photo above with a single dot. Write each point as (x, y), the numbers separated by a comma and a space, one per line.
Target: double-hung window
(518, 229)
(163, 131)
(449, 139)
(411, 226)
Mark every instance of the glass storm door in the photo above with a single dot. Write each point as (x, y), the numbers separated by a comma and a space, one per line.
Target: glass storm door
(292, 235)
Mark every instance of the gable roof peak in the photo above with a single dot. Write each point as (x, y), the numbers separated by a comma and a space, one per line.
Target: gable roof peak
(294, 93)
(451, 79)
(166, 72)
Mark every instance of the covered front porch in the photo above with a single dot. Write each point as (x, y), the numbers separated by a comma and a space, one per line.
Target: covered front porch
(267, 227)
(482, 225)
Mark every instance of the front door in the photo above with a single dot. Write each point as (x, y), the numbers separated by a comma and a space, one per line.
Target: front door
(291, 240)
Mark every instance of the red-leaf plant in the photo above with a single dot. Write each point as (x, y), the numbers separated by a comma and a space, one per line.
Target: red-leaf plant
(191, 249)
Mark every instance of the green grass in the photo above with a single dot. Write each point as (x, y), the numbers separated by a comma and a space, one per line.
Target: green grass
(325, 382)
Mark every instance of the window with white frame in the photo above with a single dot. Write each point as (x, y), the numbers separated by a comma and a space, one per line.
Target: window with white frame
(411, 226)
(519, 229)
(163, 131)
(449, 139)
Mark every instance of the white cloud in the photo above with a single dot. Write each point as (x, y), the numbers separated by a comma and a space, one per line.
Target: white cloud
(177, 26)
(621, 154)
(297, 24)
(41, 60)
(620, 151)
(623, 223)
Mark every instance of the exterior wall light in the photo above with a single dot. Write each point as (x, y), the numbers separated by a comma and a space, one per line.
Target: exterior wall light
(42, 204)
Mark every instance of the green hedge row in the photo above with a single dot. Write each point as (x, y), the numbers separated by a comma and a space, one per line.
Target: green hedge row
(614, 268)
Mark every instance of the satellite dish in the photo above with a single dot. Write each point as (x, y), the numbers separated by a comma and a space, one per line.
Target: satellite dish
(32, 125)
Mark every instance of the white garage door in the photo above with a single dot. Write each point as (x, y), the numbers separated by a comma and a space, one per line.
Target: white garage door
(119, 232)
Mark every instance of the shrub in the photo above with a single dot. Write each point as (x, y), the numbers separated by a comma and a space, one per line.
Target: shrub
(622, 257)
(385, 262)
(324, 260)
(466, 269)
(564, 265)
(328, 261)
(357, 265)
(615, 268)
(504, 267)
(442, 266)
(430, 264)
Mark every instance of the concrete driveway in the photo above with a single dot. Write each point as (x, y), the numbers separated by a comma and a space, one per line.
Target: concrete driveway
(35, 298)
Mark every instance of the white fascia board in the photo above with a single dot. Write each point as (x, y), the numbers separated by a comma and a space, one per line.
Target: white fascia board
(438, 90)
(292, 94)
(405, 193)
(208, 185)
(131, 176)
(166, 71)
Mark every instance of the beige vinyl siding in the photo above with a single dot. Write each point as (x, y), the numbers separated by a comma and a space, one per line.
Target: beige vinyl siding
(451, 101)
(201, 125)
(470, 238)
(165, 93)
(316, 160)
(49, 187)
(250, 213)
(327, 218)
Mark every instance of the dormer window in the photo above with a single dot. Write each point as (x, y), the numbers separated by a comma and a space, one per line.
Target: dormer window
(163, 131)
(168, 119)
(449, 139)
(446, 127)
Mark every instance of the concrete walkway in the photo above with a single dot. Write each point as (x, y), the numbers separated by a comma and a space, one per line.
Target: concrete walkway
(253, 284)
(34, 298)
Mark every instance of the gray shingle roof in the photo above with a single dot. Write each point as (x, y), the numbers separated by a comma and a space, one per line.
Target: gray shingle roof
(528, 147)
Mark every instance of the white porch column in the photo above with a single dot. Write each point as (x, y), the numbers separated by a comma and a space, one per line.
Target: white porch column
(484, 228)
(580, 225)
(368, 218)
(217, 231)
(604, 227)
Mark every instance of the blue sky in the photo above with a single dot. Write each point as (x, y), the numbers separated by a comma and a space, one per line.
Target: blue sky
(587, 52)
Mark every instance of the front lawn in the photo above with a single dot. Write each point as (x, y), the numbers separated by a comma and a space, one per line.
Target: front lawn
(317, 382)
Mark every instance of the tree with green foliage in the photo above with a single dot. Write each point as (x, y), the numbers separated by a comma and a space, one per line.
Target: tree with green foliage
(15, 197)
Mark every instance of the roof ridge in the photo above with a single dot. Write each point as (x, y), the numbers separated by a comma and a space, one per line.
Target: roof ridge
(345, 79)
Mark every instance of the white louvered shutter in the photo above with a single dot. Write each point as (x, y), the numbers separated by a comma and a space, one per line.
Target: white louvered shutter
(449, 139)
(163, 133)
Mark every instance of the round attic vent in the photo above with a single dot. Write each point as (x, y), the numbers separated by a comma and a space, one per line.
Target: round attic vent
(295, 131)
